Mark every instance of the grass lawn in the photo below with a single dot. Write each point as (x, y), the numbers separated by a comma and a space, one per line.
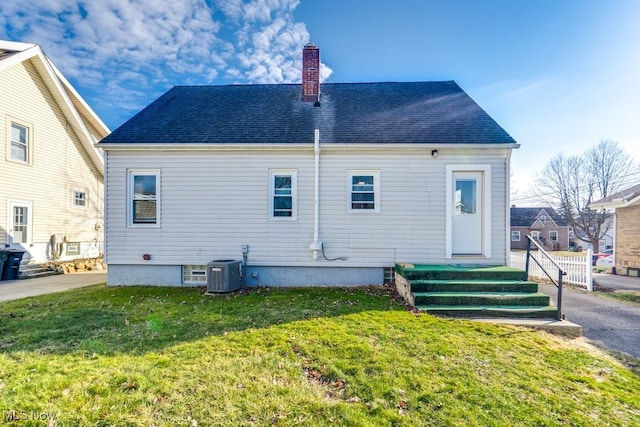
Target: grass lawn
(315, 356)
(624, 295)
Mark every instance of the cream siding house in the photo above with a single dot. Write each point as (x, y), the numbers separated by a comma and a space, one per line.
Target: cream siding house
(51, 179)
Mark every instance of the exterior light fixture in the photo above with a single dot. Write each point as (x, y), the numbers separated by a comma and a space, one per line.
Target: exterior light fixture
(434, 153)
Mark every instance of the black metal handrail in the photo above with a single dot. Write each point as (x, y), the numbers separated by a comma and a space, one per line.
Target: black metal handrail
(561, 272)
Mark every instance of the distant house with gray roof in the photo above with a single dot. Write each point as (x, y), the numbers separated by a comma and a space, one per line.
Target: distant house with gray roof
(543, 224)
(306, 184)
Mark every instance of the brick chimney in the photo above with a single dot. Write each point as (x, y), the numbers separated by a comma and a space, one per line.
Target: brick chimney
(311, 73)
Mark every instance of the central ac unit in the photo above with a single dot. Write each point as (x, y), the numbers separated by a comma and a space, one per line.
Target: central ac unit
(224, 276)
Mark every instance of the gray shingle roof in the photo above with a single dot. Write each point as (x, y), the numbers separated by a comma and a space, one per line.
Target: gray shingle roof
(525, 217)
(621, 196)
(415, 112)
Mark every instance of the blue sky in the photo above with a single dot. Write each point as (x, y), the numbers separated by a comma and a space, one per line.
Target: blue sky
(558, 75)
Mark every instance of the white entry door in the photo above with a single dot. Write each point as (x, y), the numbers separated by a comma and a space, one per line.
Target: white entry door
(19, 222)
(467, 220)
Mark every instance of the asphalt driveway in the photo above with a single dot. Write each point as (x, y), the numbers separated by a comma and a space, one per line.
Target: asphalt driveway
(614, 323)
(16, 289)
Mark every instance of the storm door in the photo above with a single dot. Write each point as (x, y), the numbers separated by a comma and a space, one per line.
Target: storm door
(467, 213)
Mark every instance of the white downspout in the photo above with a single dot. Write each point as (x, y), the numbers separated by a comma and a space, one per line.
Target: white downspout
(316, 246)
(507, 261)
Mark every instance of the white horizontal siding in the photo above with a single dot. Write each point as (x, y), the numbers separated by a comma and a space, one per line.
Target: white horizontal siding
(212, 203)
(59, 164)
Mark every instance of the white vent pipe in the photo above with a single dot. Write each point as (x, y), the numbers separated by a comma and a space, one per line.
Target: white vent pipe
(316, 246)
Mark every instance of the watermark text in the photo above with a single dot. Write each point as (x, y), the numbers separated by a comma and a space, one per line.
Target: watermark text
(20, 415)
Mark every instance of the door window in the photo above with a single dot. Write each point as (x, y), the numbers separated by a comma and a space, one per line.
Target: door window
(20, 224)
(465, 196)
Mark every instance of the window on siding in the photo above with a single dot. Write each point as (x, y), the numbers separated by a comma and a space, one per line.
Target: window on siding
(543, 219)
(79, 198)
(364, 191)
(72, 248)
(535, 234)
(144, 197)
(553, 236)
(283, 191)
(515, 236)
(192, 274)
(20, 136)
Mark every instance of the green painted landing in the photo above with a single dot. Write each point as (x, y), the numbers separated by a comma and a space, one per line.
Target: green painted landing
(458, 271)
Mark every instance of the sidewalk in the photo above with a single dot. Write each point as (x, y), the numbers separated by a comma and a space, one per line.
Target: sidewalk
(16, 289)
(612, 281)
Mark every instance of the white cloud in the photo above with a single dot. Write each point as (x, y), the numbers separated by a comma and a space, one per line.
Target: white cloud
(137, 49)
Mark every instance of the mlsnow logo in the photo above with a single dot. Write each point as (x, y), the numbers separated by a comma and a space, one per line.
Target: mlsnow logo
(13, 415)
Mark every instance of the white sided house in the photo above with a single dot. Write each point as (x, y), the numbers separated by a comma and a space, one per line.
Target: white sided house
(305, 184)
(51, 177)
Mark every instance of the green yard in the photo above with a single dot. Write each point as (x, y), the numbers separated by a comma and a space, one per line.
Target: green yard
(315, 356)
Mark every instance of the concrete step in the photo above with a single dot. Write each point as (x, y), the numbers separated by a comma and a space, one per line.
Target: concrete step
(473, 286)
(497, 299)
(33, 275)
(29, 271)
(515, 312)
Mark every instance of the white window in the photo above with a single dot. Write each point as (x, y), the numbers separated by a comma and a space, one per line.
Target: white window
(515, 236)
(144, 198)
(283, 194)
(553, 236)
(79, 198)
(19, 222)
(72, 248)
(535, 234)
(192, 274)
(543, 219)
(364, 191)
(20, 146)
(602, 245)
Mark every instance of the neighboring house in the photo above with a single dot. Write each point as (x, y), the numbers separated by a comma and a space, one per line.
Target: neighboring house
(626, 247)
(605, 242)
(51, 178)
(543, 224)
(311, 185)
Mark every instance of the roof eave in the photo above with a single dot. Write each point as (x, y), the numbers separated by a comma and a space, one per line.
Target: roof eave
(68, 107)
(132, 146)
(616, 203)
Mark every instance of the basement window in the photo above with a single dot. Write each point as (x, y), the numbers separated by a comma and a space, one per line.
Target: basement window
(194, 274)
(72, 248)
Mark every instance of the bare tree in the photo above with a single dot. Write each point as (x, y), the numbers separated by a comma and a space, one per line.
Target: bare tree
(570, 184)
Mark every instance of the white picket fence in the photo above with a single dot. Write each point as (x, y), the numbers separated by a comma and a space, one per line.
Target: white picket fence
(578, 268)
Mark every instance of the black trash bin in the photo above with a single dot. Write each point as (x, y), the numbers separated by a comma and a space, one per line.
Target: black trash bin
(12, 265)
(4, 254)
